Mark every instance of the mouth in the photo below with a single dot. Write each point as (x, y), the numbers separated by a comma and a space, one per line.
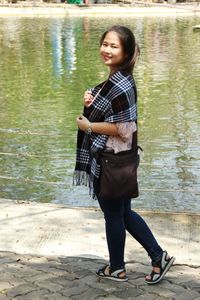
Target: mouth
(106, 57)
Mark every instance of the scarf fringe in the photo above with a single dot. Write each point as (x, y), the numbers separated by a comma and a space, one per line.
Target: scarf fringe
(83, 178)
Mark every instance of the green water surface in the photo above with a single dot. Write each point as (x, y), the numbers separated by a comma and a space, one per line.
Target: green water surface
(45, 66)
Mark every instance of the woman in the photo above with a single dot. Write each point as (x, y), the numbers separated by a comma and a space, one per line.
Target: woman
(107, 124)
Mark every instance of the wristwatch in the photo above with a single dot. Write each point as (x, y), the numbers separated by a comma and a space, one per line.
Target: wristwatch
(89, 130)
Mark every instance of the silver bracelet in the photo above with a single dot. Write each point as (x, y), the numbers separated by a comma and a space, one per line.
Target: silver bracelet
(89, 130)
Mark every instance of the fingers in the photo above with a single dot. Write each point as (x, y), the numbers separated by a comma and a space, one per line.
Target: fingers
(82, 122)
(79, 119)
(88, 98)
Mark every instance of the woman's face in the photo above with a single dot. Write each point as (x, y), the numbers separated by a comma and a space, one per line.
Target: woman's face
(111, 50)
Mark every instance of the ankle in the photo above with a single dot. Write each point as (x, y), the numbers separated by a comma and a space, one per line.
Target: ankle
(156, 269)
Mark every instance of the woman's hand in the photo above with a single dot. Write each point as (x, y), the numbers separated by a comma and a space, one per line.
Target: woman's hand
(88, 98)
(96, 127)
(82, 123)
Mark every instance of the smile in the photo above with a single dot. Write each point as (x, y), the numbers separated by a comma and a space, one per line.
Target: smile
(106, 57)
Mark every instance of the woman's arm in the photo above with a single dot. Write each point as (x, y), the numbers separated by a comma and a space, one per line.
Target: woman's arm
(97, 127)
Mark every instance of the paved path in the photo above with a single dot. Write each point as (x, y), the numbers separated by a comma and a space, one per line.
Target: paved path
(31, 277)
(52, 252)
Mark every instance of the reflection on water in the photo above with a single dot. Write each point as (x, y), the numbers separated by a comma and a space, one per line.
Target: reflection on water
(63, 47)
(45, 66)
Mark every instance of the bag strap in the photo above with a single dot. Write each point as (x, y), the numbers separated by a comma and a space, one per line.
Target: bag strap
(135, 145)
(134, 141)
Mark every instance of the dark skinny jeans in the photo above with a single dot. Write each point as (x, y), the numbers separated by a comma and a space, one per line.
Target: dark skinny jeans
(118, 218)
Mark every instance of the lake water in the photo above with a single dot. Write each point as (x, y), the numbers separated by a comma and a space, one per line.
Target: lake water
(45, 66)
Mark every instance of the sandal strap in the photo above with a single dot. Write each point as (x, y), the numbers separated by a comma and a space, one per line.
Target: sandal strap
(117, 273)
(103, 269)
(106, 272)
(162, 262)
(154, 276)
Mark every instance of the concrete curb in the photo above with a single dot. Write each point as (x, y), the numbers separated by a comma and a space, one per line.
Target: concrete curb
(92, 10)
(48, 229)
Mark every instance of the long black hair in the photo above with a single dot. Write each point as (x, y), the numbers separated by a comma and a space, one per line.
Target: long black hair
(130, 47)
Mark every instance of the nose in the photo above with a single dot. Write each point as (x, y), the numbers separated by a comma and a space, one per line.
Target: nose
(107, 50)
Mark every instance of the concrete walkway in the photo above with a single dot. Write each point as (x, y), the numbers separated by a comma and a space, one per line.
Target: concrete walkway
(52, 252)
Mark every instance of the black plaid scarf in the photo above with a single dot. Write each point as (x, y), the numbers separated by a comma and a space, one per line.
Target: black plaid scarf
(116, 102)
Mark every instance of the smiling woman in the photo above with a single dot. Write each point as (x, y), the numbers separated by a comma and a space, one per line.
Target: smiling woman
(113, 101)
(111, 51)
(109, 125)
(116, 50)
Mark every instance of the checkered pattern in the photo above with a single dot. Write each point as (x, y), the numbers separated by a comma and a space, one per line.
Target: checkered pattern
(116, 102)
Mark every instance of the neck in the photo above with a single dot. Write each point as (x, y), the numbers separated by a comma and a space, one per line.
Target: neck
(112, 71)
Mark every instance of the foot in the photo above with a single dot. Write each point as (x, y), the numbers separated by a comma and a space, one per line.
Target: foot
(160, 268)
(121, 275)
(155, 270)
(118, 275)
